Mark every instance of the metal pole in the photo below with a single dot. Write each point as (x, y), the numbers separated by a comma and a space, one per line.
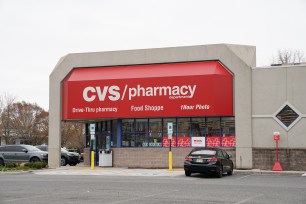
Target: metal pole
(170, 157)
(92, 166)
(276, 150)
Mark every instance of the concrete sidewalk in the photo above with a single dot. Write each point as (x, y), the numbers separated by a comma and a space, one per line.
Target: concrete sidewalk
(85, 170)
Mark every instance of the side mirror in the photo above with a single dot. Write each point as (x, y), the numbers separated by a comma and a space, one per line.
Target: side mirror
(25, 150)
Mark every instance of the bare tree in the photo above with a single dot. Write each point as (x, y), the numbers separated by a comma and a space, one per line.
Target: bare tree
(29, 122)
(73, 135)
(286, 56)
(6, 103)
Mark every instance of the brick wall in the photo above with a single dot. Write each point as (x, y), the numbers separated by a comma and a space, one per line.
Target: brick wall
(152, 157)
(290, 159)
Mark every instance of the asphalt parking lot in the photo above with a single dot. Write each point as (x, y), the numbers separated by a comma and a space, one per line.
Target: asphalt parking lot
(113, 185)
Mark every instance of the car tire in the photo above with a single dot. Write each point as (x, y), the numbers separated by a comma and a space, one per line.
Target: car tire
(73, 164)
(220, 172)
(34, 159)
(187, 173)
(63, 161)
(1, 162)
(230, 172)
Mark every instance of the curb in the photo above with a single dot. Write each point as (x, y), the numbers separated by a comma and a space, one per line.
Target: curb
(267, 172)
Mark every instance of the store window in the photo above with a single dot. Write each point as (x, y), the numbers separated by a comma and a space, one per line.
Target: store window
(213, 138)
(141, 132)
(195, 132)
(155, 132)
(128, 128)
(183, 132)
(197, 127)
(228, 138)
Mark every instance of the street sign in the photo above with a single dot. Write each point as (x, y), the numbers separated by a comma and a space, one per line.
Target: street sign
(170, 130)
(276, 136)
(92, 128)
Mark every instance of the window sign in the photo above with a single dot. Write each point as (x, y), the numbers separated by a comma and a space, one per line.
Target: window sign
(198, 141)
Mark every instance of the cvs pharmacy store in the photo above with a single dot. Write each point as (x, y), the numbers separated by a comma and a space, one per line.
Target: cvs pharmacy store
(131, 96)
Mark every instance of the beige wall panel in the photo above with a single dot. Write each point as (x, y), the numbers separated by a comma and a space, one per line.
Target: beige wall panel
(268, 90)
(263, 129)
(297, 135)
(296, 88)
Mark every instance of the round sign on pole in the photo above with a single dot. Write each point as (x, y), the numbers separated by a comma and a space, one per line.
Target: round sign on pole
(276, 136)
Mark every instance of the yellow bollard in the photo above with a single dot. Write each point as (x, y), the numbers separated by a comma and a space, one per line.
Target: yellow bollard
(170, 161)
(92, 166)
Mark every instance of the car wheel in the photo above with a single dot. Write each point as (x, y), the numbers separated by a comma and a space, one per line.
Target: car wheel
(1, 162)
(63, 161)
(35, 159)
(187, 173)
(73, 164)
(231, 171)
(220, 172)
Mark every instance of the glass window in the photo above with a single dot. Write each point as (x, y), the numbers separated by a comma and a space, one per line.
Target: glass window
(155, 125)
(213, 126)
(128, 140)
(203, 152)
(228, 132)
(183, 134)
(287, 116)
(213, 138)
(228, 126)
(128, 125)
(155, 132)
(141, 140)
(198, 127)
(183, 125)
(141, 125)
(10, 148)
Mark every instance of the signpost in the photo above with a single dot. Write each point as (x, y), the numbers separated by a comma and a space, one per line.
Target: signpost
(170, 132)
(92, 128)
(277, 166)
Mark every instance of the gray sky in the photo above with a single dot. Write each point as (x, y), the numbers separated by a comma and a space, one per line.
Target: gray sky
(34, 34)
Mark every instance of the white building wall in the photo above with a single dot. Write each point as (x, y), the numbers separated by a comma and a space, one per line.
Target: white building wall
(272, 87)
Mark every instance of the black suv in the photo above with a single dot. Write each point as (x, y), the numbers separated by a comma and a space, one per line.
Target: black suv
(70, 158)
(21, 153)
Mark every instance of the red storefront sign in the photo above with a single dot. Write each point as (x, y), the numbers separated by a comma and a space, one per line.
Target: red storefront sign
(157, 90)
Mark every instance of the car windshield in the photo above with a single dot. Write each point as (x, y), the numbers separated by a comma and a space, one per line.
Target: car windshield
(204, 152)
(31, 148)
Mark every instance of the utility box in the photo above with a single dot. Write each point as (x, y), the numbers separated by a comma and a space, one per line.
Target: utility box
(106, 158)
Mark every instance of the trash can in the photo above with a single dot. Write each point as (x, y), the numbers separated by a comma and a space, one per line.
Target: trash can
(106, 158)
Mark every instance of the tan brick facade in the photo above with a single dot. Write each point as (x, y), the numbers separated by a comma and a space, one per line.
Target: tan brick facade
(152, 157)
(290, 159)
